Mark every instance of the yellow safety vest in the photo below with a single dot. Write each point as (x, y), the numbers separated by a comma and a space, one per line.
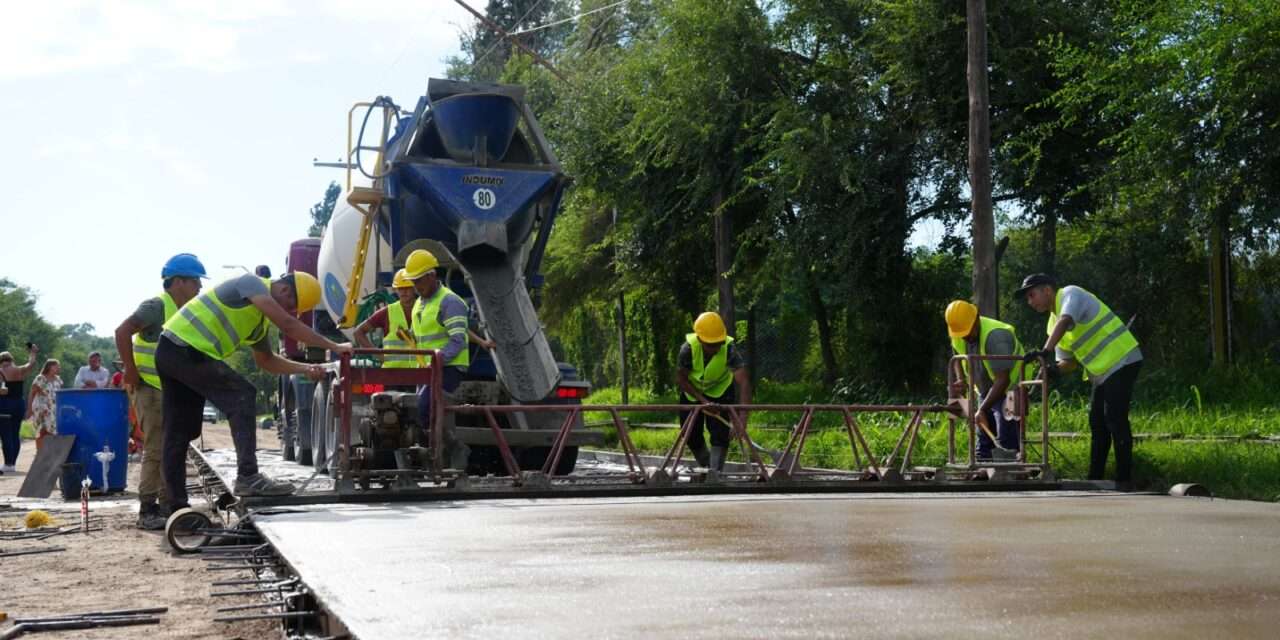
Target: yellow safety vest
(1097, 345)
(986, 326)
(430, 334)
(215, 329)
(711, 378)
(144, 353)
(397, 320)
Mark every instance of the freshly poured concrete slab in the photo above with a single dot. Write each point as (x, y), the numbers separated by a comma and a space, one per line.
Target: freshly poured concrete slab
(835, 566)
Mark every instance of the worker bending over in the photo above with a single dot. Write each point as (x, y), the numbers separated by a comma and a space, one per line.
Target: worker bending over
(972, 334)
(1084, 332)
(136, 340)
(708, 370)
(439, 322)
(190, 360)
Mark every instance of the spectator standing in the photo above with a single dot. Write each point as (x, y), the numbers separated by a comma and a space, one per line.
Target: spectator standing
(93, 375)
(43, 402)
(12, 406)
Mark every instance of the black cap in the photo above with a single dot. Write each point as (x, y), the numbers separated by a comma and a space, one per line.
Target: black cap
(1032, 281)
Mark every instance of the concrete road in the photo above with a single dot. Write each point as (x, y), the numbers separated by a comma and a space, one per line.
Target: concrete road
(836, 566)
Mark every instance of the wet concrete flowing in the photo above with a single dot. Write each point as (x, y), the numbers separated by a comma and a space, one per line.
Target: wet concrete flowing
(1001, 566)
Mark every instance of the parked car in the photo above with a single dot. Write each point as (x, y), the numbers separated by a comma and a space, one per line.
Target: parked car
(210, 413)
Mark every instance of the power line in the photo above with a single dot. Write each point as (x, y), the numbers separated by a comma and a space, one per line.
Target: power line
(497, 42)
(570, 18)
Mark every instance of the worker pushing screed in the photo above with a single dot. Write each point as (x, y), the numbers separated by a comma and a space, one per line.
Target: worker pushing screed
(1083, 332)
(710, 371)
(136, 340)
(439, 322)
(190, 361)
(972, 334)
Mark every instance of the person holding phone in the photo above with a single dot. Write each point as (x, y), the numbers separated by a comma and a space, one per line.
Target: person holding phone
(13, 407)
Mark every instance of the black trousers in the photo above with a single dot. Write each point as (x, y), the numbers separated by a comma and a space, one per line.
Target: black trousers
(1109, 423)
(718, 430)
(188, 378)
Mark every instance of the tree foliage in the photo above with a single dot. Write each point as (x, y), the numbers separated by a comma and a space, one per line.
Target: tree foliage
(322, 211)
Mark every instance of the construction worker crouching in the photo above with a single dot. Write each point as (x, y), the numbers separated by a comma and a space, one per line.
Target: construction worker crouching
(190, 360)
(439, 322)
(136, 340)
(708, 371)
(1085, 332)
(972, 334)
(396, 322)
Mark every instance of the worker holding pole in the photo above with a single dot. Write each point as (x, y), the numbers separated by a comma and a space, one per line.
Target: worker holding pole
(710, 370)
(972, 334)
(439, 322)
(136, 340)
(395, 321)
(1084, 332)
(190, 358)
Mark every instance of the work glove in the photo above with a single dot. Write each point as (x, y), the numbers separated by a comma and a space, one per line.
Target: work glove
(1035, 356)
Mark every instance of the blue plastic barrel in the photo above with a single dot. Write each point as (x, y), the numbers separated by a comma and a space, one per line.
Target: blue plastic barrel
(97, 418)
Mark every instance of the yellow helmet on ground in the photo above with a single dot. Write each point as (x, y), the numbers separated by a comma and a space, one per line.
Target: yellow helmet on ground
(401, 281)
(709, 328)
(419, 264)
(307, 291)
(960, 317)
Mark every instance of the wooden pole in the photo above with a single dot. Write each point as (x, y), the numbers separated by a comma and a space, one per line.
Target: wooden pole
(724, 262)
(984, 263)
(622, 320)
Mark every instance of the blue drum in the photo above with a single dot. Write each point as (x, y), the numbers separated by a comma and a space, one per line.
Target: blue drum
(99, 419)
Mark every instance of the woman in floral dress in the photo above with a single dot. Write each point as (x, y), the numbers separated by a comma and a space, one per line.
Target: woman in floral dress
(44, 393)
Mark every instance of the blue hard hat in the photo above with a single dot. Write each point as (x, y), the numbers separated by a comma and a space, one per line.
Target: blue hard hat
(183, 265)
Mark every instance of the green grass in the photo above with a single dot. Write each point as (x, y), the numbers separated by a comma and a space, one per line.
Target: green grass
(1230, 469)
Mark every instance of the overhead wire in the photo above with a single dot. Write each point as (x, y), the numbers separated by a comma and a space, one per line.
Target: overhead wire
(499, 40)
(570, 18)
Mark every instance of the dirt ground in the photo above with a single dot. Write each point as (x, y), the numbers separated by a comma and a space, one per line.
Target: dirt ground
(117, 568)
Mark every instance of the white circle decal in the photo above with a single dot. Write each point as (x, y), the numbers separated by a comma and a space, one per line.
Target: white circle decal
(484, 198)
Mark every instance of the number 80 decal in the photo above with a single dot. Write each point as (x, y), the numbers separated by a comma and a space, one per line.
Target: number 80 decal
(484, 198)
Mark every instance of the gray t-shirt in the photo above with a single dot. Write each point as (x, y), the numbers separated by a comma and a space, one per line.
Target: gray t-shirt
(235, 293)
(149, 316)
(684, 359)
(1083, 307)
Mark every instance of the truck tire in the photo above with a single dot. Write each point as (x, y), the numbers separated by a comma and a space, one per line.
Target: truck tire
(319, 420)
(288, 422)
(331, 434)
(532, 459)
(302, 419)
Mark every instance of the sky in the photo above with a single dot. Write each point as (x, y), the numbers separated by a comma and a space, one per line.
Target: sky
(138, 130)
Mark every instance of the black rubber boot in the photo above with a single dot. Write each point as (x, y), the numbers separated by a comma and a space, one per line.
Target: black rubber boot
(703, 458)
(717, 458)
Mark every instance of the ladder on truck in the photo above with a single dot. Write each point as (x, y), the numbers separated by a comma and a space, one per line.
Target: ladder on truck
(366, 200)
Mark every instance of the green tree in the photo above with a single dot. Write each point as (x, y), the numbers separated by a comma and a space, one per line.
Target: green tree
(323, 210)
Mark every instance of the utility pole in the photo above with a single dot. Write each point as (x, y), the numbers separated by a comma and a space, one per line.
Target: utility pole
(724, 261)
(984, 262)
(622, 316)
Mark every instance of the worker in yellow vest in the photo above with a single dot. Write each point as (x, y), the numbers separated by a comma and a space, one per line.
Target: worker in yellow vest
(710, 370)
(972, 334)
(396, 323)
(136, 340)
(190, 359)
(1084, 332)
(439, 322)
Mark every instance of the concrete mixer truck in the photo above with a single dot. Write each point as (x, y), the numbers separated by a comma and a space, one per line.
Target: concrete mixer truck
(468, 175)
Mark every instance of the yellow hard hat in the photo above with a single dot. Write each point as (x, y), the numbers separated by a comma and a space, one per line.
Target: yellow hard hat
(307, 291)
(960, 318)
(400, 281)
(709, 328)
(419, 263)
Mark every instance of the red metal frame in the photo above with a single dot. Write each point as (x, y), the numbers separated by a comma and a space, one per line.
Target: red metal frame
(877, 468)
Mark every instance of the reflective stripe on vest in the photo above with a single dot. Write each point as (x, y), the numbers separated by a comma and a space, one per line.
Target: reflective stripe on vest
(985, 327)
(144, 353)
(397, 320)
(430, 334)
(213, 328)
(1098, 345)
(711, 378)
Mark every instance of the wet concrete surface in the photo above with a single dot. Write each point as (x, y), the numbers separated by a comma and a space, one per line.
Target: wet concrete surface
(1057, 565)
